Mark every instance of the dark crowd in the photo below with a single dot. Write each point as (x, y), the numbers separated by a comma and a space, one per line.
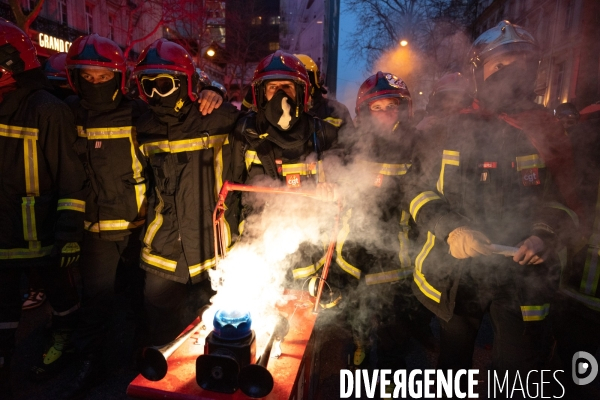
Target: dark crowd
(487, 205)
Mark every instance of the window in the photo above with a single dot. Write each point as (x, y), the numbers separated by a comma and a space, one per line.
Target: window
(89, 18)
(273, 46)
(257, 21)
(62, 11)
(558, 83)
(274, 20)
(568, 14)
(111, 26)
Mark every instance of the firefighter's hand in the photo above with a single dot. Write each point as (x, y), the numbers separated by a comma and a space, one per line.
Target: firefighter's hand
(209, 100)
(68, 252)
(531, 251)
(327, 191)
(465, 242)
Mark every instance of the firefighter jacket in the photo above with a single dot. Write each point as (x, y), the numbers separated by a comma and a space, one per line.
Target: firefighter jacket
(107, 146)
(260, 150)
(190, 158)
(332, 112)
(582, 273)
(43, 181)
(375, 243)
(490, 177)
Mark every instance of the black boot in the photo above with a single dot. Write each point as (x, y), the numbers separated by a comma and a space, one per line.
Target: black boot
(90, 374)
(59, 351)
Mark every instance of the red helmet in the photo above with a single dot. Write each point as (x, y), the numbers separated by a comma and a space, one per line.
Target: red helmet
(164, 56)
(17, 52)
(380, 86)
(280, 66)
(96, 51)
(55, 67)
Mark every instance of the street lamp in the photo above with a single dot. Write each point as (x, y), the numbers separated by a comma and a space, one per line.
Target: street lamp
(403, 43)
(210, 53)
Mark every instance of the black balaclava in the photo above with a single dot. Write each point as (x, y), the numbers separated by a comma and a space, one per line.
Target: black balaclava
(173, 104)
(508, 89)
(100, 96)
(280, 111)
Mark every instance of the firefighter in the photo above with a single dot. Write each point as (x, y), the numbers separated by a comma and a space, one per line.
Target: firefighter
(55, 69)
(116, 207)
(189, 156)
(381, 309)
(568, 115)
(43, 193)
(328, 110)
(283, 142)
(491, 184)
(577, 323)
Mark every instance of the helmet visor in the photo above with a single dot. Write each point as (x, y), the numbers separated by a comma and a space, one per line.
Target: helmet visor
(162, 84)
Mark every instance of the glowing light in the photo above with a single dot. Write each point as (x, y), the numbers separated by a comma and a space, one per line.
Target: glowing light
(420, 92)
(210, 53)
(403, 43)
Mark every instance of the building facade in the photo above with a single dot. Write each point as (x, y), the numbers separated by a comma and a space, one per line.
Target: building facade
(130, 23)
(568, 32)
(311, 27)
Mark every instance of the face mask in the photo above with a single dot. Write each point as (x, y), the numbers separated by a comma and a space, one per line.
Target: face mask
(384, 120)
(280, 111)
(507, 87)
(171, 104)
(99, 96)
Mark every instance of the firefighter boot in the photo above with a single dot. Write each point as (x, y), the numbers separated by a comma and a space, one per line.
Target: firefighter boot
(5, 386)
(89, 374)
(58, 353)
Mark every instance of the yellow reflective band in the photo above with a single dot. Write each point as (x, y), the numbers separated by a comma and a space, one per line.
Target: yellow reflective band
(337, 122)
(589, 301)
(18, 132)
(32, 184)
(35, 250)
(419, 278)
(80, 131)
(388, 276)
(218, 167)
(111, 225)
(404, 255)
(157, 261)
(531, 161)
(246, 104)
(387, 169)
(591, 272)
(71, 204)
(157, 223)
(570, 213)
(251, 158)
(28, 212)
(345, 265)
(301, 168)
(120, 132)
(199, 268)
(136, 167)
(320, 172)
(449, 157)
(305, 272)
(420, 200)
(535, 313)
(179, 146)
(9, 325)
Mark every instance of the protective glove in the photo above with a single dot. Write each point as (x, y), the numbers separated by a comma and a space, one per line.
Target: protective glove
(69, 253)
(531, 251)
(465, 242)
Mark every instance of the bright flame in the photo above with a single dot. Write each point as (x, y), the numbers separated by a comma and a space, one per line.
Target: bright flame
(403, 43)
(210, 52)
